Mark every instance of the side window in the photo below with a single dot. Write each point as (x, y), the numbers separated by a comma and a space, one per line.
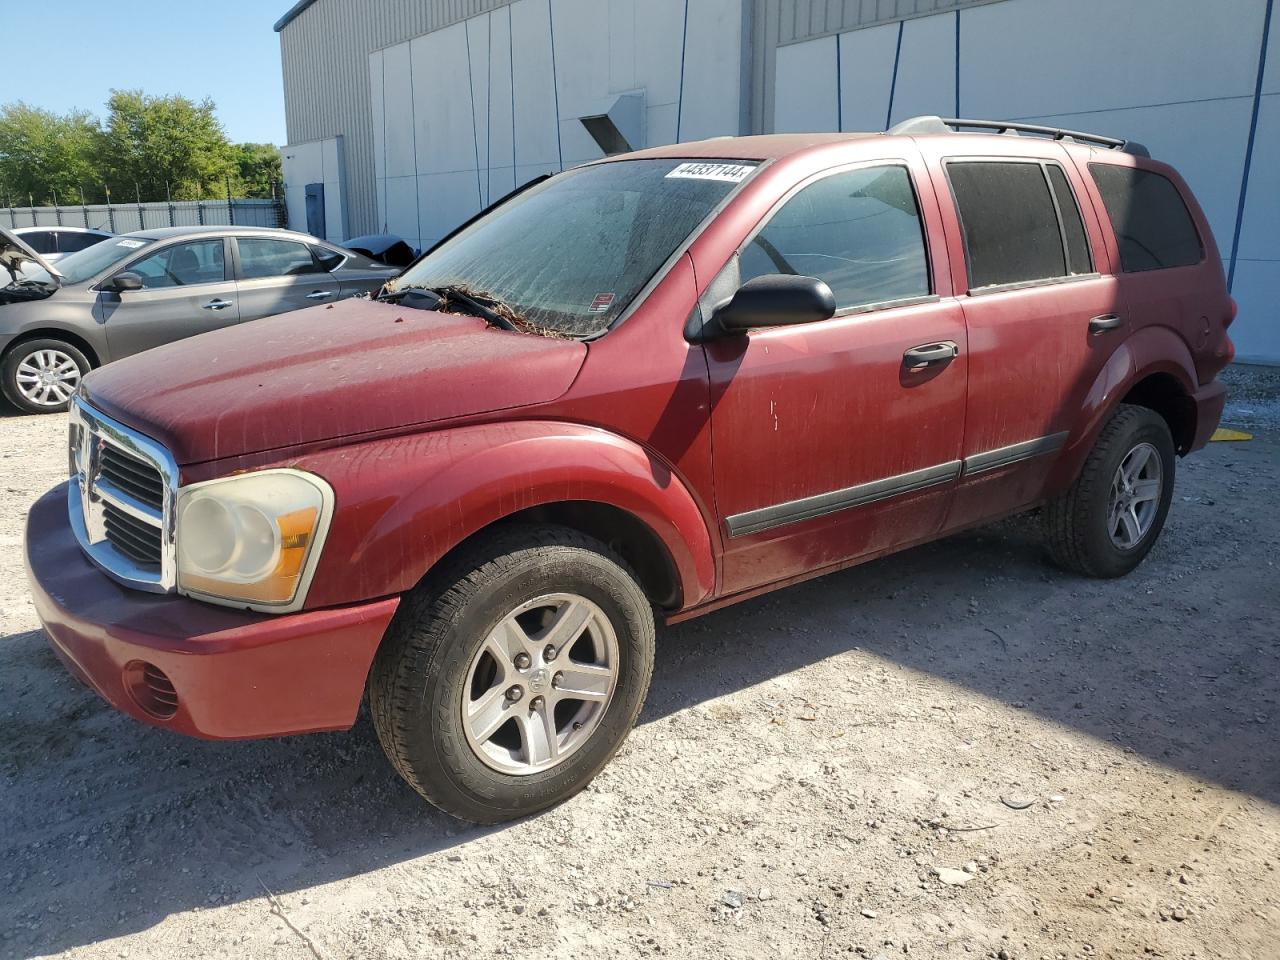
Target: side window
(1011, 231)
(261, 257)
(860, 231)
(1151, 221)
(328, 259)
(182, 265)
(41, 241)
(73, 242)
(1078, 257)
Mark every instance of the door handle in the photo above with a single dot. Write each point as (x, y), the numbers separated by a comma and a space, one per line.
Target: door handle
(917, 358)
(218, 305)
(319, 294)
(1108, 321)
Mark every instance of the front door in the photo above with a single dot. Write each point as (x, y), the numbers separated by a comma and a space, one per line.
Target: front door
(277, 276)
(835, 440)
(185, 291)
(1042, 319)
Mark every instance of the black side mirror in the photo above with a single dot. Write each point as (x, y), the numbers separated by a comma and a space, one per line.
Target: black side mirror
(123, 282)
(776, 300)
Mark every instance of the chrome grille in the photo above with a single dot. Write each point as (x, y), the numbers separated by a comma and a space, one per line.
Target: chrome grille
(121, 499)
(135, 477)
(136, 539)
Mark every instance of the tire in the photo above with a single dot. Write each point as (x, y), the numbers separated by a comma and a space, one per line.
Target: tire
(1081, 530)
(439, 662)
(33, 357)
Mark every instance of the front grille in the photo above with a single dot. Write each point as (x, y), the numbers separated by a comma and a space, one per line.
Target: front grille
(136, 539)
(139, 479)
(121, 500)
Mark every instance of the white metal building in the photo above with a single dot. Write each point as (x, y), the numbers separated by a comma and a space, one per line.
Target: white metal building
(408, 116)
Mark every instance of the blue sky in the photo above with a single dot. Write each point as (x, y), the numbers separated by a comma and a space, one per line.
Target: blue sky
(224, 50)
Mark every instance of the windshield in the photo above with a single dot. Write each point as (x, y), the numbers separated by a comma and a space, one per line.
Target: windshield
(568, 256)
(91, 261)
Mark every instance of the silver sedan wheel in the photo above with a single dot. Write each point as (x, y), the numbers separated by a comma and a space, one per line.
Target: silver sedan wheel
(1135, 496)
(48, 378)
(540, 684)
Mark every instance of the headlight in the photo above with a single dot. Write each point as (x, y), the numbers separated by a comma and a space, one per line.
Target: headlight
(252, 540)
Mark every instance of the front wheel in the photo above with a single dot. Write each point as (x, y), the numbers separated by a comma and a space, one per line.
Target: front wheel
(41, 376)
(1110, 518)
(508, 681)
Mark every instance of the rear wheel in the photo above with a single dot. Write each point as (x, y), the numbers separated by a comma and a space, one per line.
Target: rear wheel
(1110, 518)
(41, 376)
(508, 681)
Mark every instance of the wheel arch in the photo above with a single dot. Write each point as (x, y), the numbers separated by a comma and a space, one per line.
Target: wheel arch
(56, 333)
(407, 504)
(1163, 393)
(1153, 366)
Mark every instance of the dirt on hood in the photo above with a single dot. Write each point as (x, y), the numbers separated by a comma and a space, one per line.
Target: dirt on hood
(343, 370)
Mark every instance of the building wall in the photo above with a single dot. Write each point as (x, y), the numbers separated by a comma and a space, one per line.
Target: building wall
(519, 79)
(324, 51)
(1177, 75)
(318, 161)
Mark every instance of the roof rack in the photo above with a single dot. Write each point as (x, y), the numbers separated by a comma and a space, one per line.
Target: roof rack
(926, 125)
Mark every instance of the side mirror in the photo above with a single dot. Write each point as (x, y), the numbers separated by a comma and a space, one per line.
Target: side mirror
(776, 300)
(123, 282)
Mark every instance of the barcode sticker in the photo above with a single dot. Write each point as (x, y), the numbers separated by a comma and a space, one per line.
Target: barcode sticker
(728, 172)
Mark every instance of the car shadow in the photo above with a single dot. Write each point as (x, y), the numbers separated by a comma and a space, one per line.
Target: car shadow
(113, 826)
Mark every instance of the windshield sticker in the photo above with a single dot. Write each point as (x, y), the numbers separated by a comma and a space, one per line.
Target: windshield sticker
(728, 172)
(601, 303)
(130, 244)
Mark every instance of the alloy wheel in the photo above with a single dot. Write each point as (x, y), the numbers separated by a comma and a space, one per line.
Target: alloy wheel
(540, 684)
(1135, 496)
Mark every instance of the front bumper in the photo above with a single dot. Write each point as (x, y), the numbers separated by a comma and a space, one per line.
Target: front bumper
(1209, 402)
(237, 675)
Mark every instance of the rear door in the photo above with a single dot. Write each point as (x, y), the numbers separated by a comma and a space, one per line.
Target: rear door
(185, 290)
(1040, 315)
(276, 276)
(355, 274)
(827, 443)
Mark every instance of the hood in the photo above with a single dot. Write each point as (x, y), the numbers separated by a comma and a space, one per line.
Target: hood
(342, 370)
(24, 274)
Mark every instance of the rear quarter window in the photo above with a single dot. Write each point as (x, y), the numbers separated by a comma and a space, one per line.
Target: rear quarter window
(1152, 224)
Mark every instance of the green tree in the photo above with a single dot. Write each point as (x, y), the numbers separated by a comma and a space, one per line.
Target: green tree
(257, 167)
(153, 144)
(45, 156)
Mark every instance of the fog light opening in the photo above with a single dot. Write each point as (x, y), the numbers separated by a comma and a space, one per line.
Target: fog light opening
(151, 689)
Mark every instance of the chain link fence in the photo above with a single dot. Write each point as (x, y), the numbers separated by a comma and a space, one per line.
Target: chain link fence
(126, 217)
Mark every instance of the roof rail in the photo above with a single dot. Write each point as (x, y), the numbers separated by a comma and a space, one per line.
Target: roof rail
(926, 125)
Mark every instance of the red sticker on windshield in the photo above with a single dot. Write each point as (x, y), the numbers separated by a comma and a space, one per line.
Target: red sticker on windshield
(601, 303)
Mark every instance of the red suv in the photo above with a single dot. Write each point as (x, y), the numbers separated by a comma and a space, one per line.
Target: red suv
(653, 385)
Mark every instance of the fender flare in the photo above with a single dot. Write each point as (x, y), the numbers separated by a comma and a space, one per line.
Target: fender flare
(1151, 350)
(403, 503)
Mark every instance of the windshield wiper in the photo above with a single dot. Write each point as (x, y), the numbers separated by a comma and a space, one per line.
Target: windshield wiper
(452, 293)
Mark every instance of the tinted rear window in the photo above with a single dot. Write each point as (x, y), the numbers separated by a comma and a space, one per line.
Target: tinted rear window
(41, 241)
(1151, 221)
(1010, 225)
(1072, 225)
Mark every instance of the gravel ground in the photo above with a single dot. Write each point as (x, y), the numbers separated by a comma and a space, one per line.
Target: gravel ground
(953, 752)
(1254, 398)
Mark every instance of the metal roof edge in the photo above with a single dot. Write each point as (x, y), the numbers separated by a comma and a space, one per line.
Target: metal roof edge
(291, 14)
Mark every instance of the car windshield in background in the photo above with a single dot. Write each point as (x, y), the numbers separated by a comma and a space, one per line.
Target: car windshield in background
(80, 266)
(570, 255)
